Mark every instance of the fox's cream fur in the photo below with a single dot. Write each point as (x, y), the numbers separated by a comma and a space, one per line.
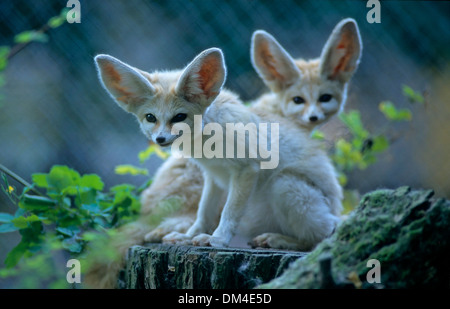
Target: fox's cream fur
(307, 92)
(299, 185)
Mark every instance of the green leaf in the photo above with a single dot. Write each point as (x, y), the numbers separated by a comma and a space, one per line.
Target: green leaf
(38, 200)
(22, 222)
(152, 149)
(4, 217)
(72, 245)
(413, 96)
(40, 180)
(317, 134)
(380, 143)
(4, 52)
(130, 169)
(92, 181)
(351, 200)
(342, 178)
(347, 157)
(390, 112)
(8, 227)
(146, 154)
(70, 190)
(57, 21)
(61, 177)
(30, 36)
(93, 208)
(65, 231)
(90, 236)
(16, 254)
(352, 120)
(123, 187)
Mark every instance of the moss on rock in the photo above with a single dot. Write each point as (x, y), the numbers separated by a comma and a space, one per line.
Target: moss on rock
(407, 231)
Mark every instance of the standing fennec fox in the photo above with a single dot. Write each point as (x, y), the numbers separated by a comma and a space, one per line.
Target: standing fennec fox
(182, 178)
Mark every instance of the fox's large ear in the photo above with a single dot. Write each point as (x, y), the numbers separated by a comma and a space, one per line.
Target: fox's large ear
(202, 80)
(342, 52)
(124, 83)
(272, 62)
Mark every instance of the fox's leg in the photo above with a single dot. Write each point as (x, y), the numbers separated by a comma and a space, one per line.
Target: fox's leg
(279, 241)
(241, 186)
(207, 214)
(178, 182)
(178, 224)
(303, 213)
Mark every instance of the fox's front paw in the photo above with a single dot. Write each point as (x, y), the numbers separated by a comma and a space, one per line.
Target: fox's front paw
(201, 240)
(204, 240)
(177, 238)
(178, 224)
(155, 236)
(279, 241)
(266, 240)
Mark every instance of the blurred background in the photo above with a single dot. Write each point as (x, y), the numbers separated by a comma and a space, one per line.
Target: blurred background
(53, 110)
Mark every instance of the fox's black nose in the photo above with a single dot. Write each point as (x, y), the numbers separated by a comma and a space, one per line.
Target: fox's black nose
(160, 140)
(313, 118)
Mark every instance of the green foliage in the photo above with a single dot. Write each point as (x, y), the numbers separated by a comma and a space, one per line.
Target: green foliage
(25, 37)
(30, 36)
(152, 149)
(72, 205)
(4, 52)
(362, 148)
(317, 134)
(412, 95)
(392, 113)
(130, 169)
(59, 20)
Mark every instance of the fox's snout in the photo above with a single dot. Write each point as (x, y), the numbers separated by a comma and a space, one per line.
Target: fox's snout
(163, 138)
(313, 118)
(160, 139)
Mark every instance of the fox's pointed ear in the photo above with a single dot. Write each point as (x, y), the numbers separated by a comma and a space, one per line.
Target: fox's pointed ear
(342, 52)
(272, 62)
(127, 86)
(202, 80)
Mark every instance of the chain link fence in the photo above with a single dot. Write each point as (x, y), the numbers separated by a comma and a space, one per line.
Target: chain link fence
(54, 111)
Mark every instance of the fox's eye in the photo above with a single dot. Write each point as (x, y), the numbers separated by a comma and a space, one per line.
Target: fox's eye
(325, 98)
(150, 118)
(298, 100)
(179, 117)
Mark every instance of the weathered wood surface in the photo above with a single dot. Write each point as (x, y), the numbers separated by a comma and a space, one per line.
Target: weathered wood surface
(160, 266)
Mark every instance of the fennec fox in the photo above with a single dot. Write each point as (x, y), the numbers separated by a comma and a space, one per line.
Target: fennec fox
(301, 188)
(308, 93)
(180, 177)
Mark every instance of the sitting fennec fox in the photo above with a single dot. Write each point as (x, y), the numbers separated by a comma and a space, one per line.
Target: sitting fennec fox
(180, 177)
(298, 201)
(308, 93)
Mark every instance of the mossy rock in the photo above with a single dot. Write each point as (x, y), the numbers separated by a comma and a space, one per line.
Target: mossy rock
(408, 232)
